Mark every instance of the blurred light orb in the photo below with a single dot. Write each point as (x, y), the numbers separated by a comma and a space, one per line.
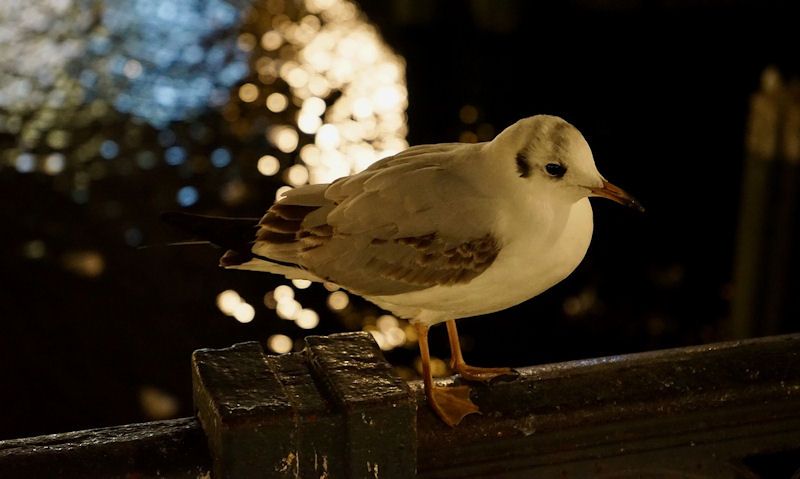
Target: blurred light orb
(307, 319)
(283, 293)
(187, 196)
(220, 157)
(54, 163)
(244, 312)
(277, 102)
(297, 175)
(248, 92)
(175, 155)
(109, 149)
(227, 301)
(271, 40)
(279, 343)
(284, 138)
(338, 300)
(268, 165)
(288, 309)
(301, 283)
(25, 163)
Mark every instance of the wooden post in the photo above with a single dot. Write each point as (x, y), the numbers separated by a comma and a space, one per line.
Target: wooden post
(334, 410)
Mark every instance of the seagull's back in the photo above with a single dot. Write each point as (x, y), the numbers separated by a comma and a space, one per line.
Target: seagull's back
(433, 230)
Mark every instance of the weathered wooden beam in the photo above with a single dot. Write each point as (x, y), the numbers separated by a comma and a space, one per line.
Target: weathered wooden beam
(727, 410)
(706, 412)
(174, 449)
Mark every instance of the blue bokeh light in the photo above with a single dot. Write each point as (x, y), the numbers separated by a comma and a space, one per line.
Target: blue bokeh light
(186, 49)
(220, 157)
(187, 196)
(175, 155)
(109, 149)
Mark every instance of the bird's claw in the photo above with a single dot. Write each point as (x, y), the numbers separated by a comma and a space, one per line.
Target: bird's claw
(452, 404)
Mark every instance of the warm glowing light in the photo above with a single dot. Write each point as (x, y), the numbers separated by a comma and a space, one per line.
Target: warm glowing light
(328, 137)
(288, 309)
(283, 293)
(386, 322)
(310, 154)
(468, 114)
(54, 164)
(268, 165)
(244, 313)
(272, 40)
(84, 263)
(285, 138)
(362, 108)
(246, 42)
(158, 404)
(277, 102)
(308, 123)
(297, 78)
(307, 319)
(279, 343)
(395, 337)
(338, 300)
(438, 367)
(314, 106)
(301, 283)
(468, 137)
(228, 300)
(297, 175)
(248, 92)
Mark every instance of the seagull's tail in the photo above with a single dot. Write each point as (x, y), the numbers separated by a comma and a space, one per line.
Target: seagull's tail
(236, 234)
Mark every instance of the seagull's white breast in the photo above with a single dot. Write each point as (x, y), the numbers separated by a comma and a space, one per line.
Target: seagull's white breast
(535, 256)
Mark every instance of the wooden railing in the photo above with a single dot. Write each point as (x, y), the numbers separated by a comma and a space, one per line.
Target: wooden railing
(337, 410)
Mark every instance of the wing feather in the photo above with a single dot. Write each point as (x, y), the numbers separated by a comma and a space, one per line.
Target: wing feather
(387, 230)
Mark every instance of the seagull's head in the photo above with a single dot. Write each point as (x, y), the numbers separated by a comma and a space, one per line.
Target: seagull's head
(547, 154)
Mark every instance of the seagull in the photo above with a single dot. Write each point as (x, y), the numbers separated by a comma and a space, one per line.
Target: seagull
(435, 233)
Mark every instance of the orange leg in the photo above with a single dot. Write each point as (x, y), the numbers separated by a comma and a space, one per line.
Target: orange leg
(466, 371)
(451, 404)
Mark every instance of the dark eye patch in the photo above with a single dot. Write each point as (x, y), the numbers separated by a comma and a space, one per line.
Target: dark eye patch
(523, 167)
(556, 170)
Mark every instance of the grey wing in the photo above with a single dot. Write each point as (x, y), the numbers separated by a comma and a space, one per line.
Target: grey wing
(407, 223)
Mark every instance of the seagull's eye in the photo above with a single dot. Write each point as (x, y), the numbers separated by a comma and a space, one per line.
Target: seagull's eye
(556, 170)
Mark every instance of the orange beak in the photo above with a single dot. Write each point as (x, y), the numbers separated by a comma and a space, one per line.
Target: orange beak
(615, 193)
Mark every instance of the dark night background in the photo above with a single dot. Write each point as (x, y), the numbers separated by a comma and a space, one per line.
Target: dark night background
(661, 91)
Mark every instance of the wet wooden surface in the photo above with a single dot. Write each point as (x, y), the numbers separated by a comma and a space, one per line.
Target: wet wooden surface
(726, 410)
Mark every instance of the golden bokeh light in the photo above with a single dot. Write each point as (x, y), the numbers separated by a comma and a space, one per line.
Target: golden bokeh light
(244, 312)
(268, 165)
(248, 92)
(279, 343)
(338, 300)
(301, 283)
(277, 102)
(307, 319)
(227, 301)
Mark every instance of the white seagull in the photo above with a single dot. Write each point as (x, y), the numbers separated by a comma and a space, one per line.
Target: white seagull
(435, 233)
